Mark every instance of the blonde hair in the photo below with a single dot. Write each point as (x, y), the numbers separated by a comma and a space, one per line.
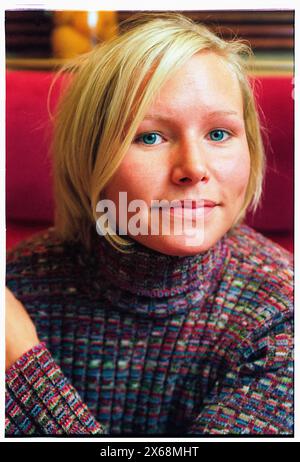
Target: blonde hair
(110, 89)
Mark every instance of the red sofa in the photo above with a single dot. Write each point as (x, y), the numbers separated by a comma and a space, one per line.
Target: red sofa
(29, 195)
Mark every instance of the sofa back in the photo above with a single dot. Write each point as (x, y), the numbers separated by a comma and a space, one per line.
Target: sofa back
(29, 193)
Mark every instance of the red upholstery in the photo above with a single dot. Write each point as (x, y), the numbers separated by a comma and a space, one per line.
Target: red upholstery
(28, 131)
(275, 98)
(29, 195)
(275, 218)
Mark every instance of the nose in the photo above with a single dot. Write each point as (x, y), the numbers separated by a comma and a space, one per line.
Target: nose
(190, 165)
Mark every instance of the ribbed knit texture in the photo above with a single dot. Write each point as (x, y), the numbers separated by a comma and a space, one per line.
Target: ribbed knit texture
(150, 344)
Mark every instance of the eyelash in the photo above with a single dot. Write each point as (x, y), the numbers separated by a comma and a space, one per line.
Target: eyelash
(138, 139)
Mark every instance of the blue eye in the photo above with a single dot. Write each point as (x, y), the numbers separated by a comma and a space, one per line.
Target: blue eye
(218, 135)
(150, 138)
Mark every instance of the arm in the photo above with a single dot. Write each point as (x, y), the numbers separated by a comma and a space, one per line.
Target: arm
(255, 394)
(39, 399)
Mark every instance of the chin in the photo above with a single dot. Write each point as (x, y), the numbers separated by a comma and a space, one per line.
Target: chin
(179, 246)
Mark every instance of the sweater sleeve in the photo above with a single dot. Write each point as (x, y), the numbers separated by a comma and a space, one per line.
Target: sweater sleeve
(255, 393)
(40, 401)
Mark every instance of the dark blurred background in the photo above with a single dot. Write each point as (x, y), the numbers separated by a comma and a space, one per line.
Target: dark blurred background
(42, 37)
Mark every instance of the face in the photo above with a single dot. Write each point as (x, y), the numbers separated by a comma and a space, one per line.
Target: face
(191, 146)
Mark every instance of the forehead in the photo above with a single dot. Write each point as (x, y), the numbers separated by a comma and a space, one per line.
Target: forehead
(205, 81)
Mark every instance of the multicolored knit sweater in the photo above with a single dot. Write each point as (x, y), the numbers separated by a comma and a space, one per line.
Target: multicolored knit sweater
(150, 344)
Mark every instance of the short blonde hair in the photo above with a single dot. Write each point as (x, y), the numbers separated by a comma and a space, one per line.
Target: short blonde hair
(111, 87)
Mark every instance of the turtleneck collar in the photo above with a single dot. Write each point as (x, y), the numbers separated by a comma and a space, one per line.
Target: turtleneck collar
(151, 283)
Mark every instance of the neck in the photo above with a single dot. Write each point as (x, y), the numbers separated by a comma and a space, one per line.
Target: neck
(145, 274)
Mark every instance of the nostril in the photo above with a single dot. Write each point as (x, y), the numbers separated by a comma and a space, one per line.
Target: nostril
(184, 180)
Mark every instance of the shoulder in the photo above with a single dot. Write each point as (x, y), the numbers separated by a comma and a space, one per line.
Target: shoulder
(41, 248)
(39, 261)
(258, 281)
(245, 240)
(260, 255)
(260, 302)
(49, 277)
(36, 244)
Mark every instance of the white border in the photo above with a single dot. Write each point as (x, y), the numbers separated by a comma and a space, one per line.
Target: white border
(147, 5)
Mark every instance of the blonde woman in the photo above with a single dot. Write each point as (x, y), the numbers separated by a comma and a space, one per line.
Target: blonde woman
(117, 323)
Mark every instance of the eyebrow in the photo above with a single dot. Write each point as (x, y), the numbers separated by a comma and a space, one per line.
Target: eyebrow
(213, 113)
(209, 115)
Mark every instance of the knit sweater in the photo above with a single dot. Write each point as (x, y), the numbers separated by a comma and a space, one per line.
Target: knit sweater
(152, 344)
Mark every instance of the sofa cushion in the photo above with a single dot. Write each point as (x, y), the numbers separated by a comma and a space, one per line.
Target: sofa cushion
(274, 95)
(29, 194)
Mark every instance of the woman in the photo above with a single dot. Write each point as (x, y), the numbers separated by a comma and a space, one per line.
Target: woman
(117, 325)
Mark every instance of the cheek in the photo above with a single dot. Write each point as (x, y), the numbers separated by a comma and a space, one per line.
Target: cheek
(233, 174)
(135, 178)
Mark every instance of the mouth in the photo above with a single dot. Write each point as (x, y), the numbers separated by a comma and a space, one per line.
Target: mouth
(192, 212)
(190, 209)
(187, 204)
(197, 204)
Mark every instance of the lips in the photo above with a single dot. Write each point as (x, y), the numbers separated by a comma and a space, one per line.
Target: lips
(188, 209)
(193, 209)
(195, 204)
